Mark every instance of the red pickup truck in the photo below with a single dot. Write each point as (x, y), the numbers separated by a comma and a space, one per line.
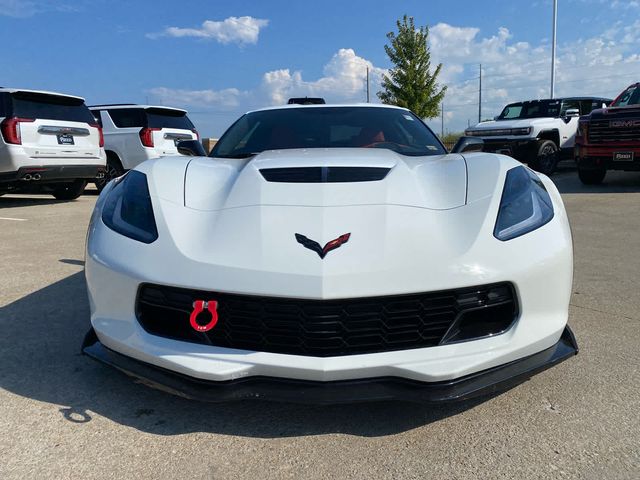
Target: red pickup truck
(609, 138)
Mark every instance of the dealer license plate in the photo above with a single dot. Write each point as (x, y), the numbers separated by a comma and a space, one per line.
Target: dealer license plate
(623, 157)
(65, 139)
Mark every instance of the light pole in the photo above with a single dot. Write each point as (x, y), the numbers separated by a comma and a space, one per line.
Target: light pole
(553, 48)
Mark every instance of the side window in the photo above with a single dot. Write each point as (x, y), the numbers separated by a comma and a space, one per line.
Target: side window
(3, 104)
(587, 105)
(127, 117)
(567, 105)
(98, 116)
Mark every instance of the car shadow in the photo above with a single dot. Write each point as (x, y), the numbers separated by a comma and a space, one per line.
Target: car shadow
(40, 359)
(615, 182)
(28, 201)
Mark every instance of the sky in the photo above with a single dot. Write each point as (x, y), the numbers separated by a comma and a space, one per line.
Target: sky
(219, 59)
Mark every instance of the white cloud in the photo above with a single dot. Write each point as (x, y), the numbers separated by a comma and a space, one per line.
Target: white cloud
(29, 8)
(227, 98)
(18, 8)
(240, 30)
(344, 80)
(600, 65)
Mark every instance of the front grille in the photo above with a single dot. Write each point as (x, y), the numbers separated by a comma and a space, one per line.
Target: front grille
(602, 131)
(324, 174)
(323, 328)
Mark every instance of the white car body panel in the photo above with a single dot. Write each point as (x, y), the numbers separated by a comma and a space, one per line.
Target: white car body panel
(427, 226)
(566, 128)
(126, 144)
(42, 149)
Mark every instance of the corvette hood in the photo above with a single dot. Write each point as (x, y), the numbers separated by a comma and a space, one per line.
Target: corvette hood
(431, 182)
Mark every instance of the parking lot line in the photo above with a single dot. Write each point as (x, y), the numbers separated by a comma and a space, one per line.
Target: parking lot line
(14, 219)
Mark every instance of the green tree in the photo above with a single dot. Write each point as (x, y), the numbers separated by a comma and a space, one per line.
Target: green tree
(410, 83)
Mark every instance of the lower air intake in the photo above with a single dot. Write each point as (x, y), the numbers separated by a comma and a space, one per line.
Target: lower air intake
(324, 328)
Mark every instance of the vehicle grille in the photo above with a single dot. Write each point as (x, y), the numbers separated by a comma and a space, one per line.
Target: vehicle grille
(601, 131)
(324, 174)
(323, 328)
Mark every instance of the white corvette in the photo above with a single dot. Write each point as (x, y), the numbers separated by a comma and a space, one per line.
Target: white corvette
(330, 254)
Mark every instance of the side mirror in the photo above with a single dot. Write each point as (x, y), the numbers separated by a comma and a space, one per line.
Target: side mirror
(572, 112)
(467, 145)
(192, 148)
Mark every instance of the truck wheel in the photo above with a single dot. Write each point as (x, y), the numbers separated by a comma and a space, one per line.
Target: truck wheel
(69, 191)
(114, 170)
(592, 177)
(545, 159)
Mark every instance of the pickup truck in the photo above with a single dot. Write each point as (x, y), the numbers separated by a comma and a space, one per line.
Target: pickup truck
(609, 138)
(537, 132)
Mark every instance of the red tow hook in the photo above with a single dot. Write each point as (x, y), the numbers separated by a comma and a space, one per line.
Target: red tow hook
(198, 307)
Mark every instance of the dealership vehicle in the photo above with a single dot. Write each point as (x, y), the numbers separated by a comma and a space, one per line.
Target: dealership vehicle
(609, 138)
(537, 132)
(135, 133)
(330, 254)
(49, 143)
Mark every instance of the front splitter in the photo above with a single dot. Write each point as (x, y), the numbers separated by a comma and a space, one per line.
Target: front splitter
(486, 382)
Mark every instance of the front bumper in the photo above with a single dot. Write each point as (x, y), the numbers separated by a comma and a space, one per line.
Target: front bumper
(486, 382)
(589, 157)
(519, 149)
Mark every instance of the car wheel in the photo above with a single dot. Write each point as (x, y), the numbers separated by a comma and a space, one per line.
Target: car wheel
(546, 157)
(114, 170)
(592, 177)
(69, 191)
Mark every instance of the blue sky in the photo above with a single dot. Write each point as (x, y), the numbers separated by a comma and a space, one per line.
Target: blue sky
(253, 53)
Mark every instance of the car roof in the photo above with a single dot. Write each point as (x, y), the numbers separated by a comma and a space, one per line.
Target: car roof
(328, 105)
(44, 92)
(559, 99)
(115, 106)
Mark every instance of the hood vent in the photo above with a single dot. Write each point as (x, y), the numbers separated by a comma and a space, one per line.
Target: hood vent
(324, 174)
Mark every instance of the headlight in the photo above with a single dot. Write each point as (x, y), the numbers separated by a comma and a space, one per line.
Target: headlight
(128, 210)
(525, 205)
(469, 133)
(521, 131)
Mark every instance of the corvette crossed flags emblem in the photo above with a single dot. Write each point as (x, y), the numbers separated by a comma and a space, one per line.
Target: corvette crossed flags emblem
(322, 251)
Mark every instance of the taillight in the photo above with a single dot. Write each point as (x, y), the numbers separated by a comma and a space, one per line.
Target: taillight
(197, 134)
(96, 125)
(10, 128)
(146, 136)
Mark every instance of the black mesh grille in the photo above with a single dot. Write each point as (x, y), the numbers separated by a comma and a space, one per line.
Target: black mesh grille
(324, 174)
(616, 130)
(324, 328)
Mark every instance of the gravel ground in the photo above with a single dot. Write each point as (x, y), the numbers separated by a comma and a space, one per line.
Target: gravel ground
(63, 415)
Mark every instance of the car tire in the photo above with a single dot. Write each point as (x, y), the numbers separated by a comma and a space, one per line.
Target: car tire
(545, 157)
(114, 170)
(69, 191)
(592, 177)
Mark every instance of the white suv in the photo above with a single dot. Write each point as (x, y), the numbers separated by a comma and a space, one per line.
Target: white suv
(537, 132)
(135, 133)
(49, 143)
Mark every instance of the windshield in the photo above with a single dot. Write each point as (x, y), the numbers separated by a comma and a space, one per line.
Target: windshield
(165, 118)
(631, 96)
(50, 107)
(533, 109)
(328, 127)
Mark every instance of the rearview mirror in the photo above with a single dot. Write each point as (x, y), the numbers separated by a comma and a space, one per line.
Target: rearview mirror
(467, 145)
(192, 148)
(572, 112)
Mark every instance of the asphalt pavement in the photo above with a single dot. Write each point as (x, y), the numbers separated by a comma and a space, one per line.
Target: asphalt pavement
(63, 415)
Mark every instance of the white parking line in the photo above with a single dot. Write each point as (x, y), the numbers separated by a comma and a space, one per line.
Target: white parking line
(14, 219)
